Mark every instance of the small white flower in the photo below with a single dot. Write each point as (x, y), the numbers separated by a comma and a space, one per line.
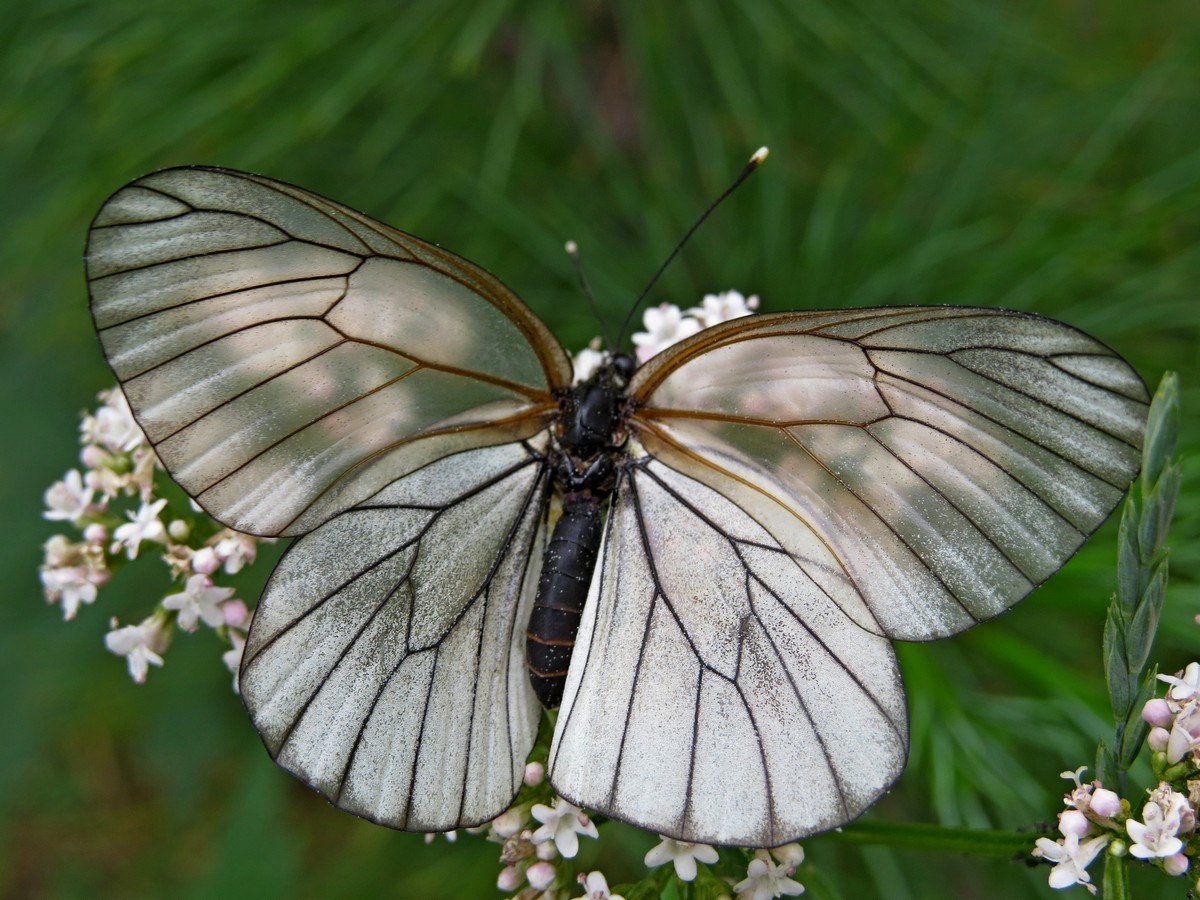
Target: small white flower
(1071, 859)
(510, 879)
(235, 612)
(665, 325)
(141, 645)
(1105, 803)
(233, 656)
(144, 525)
(1158, 712)
(69, 586)
(562, 825)
(113, 424)
(595, 887)
(142, 477)
(683, 854)
(1155, 836)
(1072, 821)
(199, 601)
(1175, 865)
(717, 308)
(236, 550)
(764, 880)
(587, 361)
(205, 561)
(789, 855)
(69, 499)
(1184, 686)
(60, 551)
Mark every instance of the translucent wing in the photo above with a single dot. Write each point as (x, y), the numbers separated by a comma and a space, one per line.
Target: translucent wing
(289, 357)
(929, 466)
(385, 665)
(717, 692)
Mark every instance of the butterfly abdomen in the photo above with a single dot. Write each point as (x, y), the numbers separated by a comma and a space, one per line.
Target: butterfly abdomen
(562, 589)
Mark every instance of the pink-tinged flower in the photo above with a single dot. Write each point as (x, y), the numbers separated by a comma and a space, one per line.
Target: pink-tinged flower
(665, 325)
(1105, 804)
(1158, 738)
(1071, 859)
(70, 587)
(1157, 835)
(683, 854)
(510, 878)
(1072, 821)
(205, 561)
(142, 477)
(95, 534)
(1158, 712)
(764, 880)
(717, 308)
(199, 601)
(535, 774)
(1185, 732)
(144, 525)
(68, 500)
(60, 551)
(595, 887)
(235, 612)
(142, 645)
(541, 875)
(236, 550)
(1184, 686)
(562, 824)
(233, 656)
(510, 822)
(1175, 865)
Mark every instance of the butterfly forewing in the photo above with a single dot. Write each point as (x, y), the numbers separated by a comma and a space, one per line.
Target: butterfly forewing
(288, 357)
(718, 693)
(385, 664)
(945, 461)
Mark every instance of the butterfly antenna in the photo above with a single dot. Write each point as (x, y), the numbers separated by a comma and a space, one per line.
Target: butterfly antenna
(756, 160)
(572, 249)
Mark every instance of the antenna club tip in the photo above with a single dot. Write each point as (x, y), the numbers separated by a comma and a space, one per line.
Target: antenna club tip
(571, 247)
(760, 156)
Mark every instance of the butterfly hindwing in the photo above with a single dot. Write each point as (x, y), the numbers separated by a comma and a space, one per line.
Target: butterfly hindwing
(288, 356)
(717, 693)
(385, 663)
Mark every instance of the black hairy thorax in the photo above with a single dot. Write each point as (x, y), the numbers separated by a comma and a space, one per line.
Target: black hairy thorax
(587, 446)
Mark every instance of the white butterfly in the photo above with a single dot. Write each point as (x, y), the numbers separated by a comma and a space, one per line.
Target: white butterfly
(780, 497)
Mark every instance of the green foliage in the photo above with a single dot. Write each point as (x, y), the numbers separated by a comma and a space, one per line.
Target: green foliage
(1037, 156)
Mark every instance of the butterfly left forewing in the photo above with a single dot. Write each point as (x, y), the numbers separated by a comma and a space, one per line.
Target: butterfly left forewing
(287, 356)
(717, 692)
(385, 664)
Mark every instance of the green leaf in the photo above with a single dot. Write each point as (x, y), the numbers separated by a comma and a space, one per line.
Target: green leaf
(1139, 635)
(1162, 429)
(1136, 728)
(1158, 505)
(1106, 764)
(1116, 669)
(1129, 558)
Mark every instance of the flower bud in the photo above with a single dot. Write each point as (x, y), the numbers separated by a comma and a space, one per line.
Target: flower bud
(546, 850)
(789, 855)
(95, 533)
(509, 879)
(1073, 822)
(235, 612)
(535, 774)
(205, 561)
(1157, 712)
(510, 822)
(1117, 848)
(93, 457)
(1106, 804)
(1175, 865)
(179, 530)
(541, 875)
(1158, 738)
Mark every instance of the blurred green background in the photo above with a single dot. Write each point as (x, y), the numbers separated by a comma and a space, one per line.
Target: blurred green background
(1041, 156)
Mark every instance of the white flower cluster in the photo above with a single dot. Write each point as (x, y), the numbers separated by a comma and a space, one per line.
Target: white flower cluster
(114, 506)
(1175, 718)
(1096, 818)
(667, 324)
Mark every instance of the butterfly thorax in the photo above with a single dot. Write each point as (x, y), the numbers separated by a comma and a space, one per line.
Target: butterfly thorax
(589, 438)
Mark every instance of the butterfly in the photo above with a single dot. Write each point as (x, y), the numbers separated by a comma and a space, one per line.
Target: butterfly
(702, 560)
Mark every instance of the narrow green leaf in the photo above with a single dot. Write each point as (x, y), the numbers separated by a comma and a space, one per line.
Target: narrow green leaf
(1116, 669)
(1162, 428)
(1158, 506)
(1135, 728)
(1139, 634)
(1106, 764)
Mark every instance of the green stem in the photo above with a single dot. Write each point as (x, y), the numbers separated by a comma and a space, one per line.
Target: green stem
(1116, 878)
(915, 836)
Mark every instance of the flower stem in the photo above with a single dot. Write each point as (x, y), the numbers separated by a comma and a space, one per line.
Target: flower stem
(992, 844)
(1116, 878)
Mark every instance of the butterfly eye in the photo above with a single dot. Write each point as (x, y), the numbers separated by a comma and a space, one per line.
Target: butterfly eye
(624, 366)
